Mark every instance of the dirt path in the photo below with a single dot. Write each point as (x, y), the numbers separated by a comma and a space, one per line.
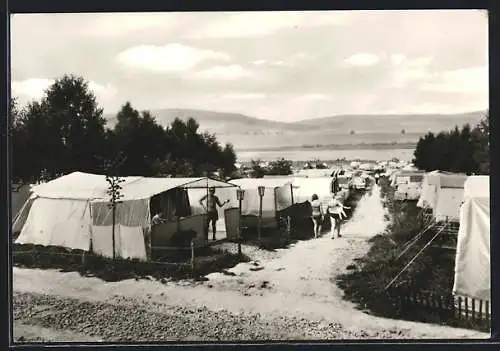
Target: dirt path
(296, 283)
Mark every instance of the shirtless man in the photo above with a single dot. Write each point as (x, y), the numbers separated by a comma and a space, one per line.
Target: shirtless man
(211, 208)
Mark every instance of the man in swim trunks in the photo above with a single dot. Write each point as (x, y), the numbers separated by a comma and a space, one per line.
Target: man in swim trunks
(211, 209)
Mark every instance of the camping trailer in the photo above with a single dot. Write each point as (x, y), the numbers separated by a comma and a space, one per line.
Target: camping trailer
(472, 261)
(73, 212)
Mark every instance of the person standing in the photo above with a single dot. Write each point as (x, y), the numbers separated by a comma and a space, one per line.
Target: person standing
(335, 210)
(211, 209)
(317, 214)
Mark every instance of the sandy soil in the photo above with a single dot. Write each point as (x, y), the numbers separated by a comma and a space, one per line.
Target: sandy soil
(286, 286)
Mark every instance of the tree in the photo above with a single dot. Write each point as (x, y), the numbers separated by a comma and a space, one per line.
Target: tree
(114, 180)
(458, 150)
(257, 170)
(31, 139)
(480, 136)
(280, 167)
(142, 139)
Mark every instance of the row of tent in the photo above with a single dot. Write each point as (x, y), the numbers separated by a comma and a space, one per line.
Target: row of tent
(73, 211)
(464, 200)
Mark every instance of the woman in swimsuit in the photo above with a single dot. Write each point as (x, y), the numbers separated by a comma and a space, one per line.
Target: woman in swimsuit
(335, 212)
(317, 215)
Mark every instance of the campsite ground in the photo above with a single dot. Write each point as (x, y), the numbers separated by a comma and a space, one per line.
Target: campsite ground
(286, 294)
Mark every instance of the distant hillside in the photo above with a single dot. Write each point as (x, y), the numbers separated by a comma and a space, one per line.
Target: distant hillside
(395, 123)
(246, 132)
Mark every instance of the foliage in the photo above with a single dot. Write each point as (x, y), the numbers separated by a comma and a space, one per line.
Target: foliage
(257, 170)
(65, 132)
(459, 150)
(280, 167)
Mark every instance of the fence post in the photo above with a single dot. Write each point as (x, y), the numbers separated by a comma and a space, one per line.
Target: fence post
(288, 227)
(460, 307)
(193, 266)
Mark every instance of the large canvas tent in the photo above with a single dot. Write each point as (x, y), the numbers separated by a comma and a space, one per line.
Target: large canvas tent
(472, 262)
(19, 195)
(72, 211)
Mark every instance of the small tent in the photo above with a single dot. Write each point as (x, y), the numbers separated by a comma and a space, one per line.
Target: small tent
(72, 211)
(278, 196)
(472, 262)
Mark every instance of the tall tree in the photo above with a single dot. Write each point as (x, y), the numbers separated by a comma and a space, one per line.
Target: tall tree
(76, 126)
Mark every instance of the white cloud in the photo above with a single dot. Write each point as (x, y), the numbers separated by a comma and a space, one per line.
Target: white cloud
(119, 24)
(169, 58)
(363, 59)
(465, 80)
(259, 62)
(398, 59)
(230, 72)
(315, 97)
(245, 96)
(34, 89)
(410, 72)
(252, 24)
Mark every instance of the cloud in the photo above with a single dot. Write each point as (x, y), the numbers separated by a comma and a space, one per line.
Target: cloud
(245, 96)
(120, 24)
(315, 97)
(169, 58)
(34, 89)
(230, 72)
(255, 24)
(410, 72)
(398, 59)
(363, 59)
(465, 80)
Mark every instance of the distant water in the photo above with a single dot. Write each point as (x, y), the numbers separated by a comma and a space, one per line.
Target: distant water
(309, 154)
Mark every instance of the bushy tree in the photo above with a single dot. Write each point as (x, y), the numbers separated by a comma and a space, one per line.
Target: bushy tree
(280, 167)
(458, 150)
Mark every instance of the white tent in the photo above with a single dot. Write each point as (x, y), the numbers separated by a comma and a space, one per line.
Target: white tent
(19, 195)
(305, 188)
(72, 211)
(472, 262)
(278, 195)
(449, 196)
(427, 198)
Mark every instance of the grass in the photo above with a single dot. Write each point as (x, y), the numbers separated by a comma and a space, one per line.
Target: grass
(207, 260)
(432, 272)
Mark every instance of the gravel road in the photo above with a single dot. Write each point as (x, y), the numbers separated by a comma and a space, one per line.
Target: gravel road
(125, 321)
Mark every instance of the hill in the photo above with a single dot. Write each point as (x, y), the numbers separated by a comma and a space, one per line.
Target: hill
(246, 132)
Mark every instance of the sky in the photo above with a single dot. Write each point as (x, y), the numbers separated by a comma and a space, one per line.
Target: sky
(283, 66)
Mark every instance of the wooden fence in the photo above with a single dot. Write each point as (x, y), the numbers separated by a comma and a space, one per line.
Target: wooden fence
(449, 309)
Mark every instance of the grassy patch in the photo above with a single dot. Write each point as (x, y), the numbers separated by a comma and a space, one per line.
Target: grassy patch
(431, 273)
(177, 266)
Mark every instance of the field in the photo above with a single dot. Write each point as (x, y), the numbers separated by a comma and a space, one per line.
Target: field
(327, 155)
(283, 294)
